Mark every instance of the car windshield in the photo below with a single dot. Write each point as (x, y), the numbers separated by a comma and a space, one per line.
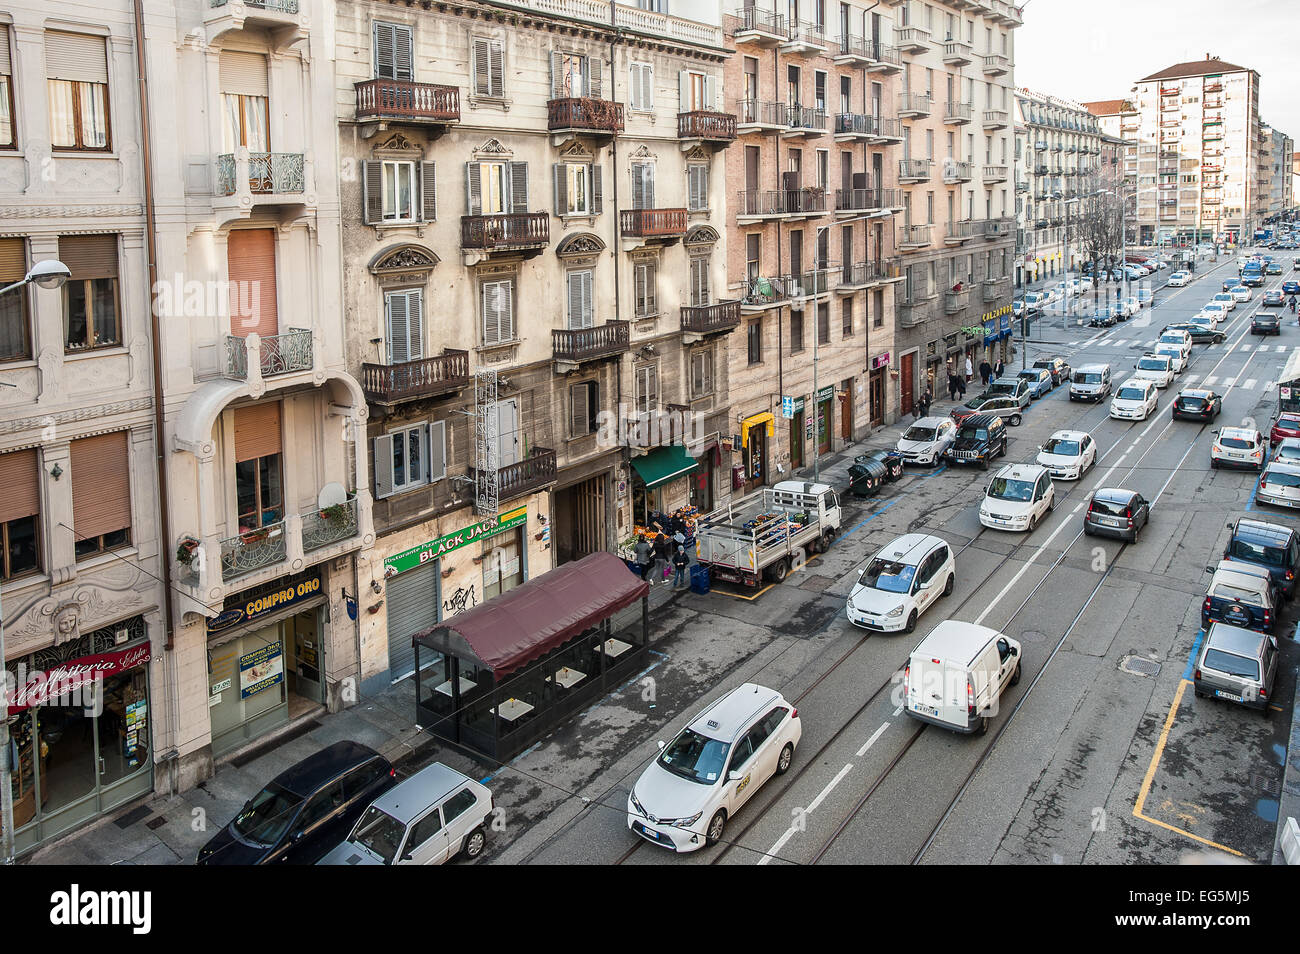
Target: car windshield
(695, 757)
(1131, 394)
(1239, 443)
(974, 433)
(1287, 452)
(1171, 339)
(1231, 663)
(1282, 478)
(918, 434)
(1112, 507)
(1029, 374)
(1006, 488)
(888, 576)
(380, 833)
(1005, 387)
(267, 814)
(1225, 591)
(1200, 319)
(1066, 448)
(1153, 364)
(1253, 552)
(1088, 377)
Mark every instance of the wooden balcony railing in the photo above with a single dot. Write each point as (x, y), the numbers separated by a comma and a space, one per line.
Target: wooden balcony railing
(707, 319)
(422, 378)
(525, 476)
(588, 344)
(652, 223)
(404, 100)
(582, 112)
(506, 231)
(704, 124)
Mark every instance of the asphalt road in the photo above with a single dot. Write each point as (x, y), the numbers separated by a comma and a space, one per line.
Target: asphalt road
(1092, 758)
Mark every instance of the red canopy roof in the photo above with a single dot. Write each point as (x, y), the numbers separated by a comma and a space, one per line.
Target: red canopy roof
(511, 630)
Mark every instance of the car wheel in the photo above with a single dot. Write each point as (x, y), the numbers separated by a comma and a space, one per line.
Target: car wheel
(713, 834)
(779, 570)
(474, 843)
(1014, 420)
(1214, 463)
(1015, 676)
(827, 539)
(1033, 522)
(783, 760)
(984, 463)
(947, 587)
(911, 622)
(983, 726)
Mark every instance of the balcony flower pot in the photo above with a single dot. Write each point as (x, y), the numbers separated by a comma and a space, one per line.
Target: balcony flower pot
(335, 513)
(185, 551)
(252, 537)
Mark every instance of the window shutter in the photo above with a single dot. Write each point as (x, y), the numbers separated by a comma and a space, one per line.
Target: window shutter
(647, 86)
(6, 68)
(398, 327)
(437, 455)
(250, 260)
(594, 84)
(22, 492)
(579, 412)
(403, 58)
(372, 191)
(684, 91)
(241, 73)
(89, 256)
(496, 58)
(507, 316)
(519, 187)
(383, 457)
(415, 324)
(482, 72)
(473, 191)
(597, 201)
(101, 485)
(83, 58)
(491, 313)
(384, 40)
(13, 260)
(638, 292)
(428, 193)
(652, 288)
(557, 75)
(634, 86)
(710, 92)
(588, 302)
(638, 186)
(257, 431)
(561, 188)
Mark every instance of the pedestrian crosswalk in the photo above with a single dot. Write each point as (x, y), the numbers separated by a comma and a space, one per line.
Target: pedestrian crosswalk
(1104, 341)
(1223, 383)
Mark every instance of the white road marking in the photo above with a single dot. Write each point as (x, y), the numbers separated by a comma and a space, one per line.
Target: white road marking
(1244, 347)
(872, 741)
(1249, 384)
(792, 831)
(1190, 378)
(1229, 382)
(1211, 379)
(1280, 348)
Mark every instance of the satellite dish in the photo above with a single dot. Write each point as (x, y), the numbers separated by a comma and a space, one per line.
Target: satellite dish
(330, 495)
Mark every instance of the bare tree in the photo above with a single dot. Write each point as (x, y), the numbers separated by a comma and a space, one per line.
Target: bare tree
(1100, 222)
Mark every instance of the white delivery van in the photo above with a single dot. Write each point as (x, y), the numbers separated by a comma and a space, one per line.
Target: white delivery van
(956, 675)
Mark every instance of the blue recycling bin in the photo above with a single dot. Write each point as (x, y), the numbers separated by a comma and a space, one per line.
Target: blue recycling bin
(699, 578)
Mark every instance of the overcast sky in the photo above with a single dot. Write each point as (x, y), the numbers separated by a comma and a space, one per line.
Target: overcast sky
(1063, 52)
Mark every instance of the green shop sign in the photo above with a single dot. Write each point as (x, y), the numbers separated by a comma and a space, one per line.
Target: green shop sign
(434, 549)
(825, 394)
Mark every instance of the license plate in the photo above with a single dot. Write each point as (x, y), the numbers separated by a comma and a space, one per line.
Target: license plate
(648, 832)
(1110, 521)
(928, 710)
(1227, 695)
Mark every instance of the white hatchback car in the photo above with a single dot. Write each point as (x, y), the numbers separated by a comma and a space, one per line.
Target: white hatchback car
(901, 582)
(1288, 451)
(1067, 455)
(1238, 447)
(1226, 300)
(1280, 484)
(701, 778)
(1216, 309)
(1135, 400)
(926, 440)
(1018, 497)
(1240, 292)
(1155, 367)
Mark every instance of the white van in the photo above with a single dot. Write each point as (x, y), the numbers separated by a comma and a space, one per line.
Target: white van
(956, 675)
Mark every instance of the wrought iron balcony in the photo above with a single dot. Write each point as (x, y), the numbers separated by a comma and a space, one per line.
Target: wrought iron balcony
(397, 100)
(914, 170)
(757, 204)
(913, 105)
(268, 173)
(584, 114)
(721, 316)
(706, 125)
(752, 25)
(277, 354)
(253, 549)
(411, 380)
(652, 223)
(887, 129)
(854, 51)
(955, 171)
(805, 120)
(885, 59)
(589, 344)
(763, 293)
(913, 236)
(754, 114)
(804, 37)
(860, 274)
(320, 528)
(503, 232)
(524, 477)
(958, 114)
(850, 125)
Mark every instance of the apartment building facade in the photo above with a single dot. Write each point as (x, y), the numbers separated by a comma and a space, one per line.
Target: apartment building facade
(1197, 157)
(535, 290)
(1279, 156)
(1058, 159)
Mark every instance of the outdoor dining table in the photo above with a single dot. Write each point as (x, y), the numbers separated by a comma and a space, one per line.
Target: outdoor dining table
(616, 647)
(568, 678)
(464, 684)
(512, 709)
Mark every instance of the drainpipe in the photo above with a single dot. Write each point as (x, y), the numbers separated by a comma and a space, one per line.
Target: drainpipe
(625, 457)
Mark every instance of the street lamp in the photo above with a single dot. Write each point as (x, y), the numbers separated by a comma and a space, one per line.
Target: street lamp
(50, 274)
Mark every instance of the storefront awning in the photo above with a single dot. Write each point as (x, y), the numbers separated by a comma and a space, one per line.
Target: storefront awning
(665, 464)
(753, 421)
(511, 630)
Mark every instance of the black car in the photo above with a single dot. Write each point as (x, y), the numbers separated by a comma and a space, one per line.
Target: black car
(980, 438)
(1116, 512)
(1060, 370)
(1266, 323)
(304, 811)
(1196, 404)
(891, 460)
(1102, 319)
(1268, 545)
(1273, 298)
(1200, 334)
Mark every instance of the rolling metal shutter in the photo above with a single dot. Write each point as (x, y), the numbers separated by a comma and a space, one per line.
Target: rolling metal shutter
(243, 73)
(75, 56)
(250, 258)
(257, 431)
(89, 256)
(22, 492)
(13, 260)
(101, 485)
(412, 601)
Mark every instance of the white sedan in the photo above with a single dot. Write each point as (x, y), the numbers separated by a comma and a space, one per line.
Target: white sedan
(1018, 498)
(1178, 279)
(1238, 447)
(1176, 355)
(1226, 300)
(1067, 455)
(926, 440)
(1240, 292)
(1135, 400)
(901, 582)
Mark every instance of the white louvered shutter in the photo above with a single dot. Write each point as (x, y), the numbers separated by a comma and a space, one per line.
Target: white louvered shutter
(437, 455)
(561, 179)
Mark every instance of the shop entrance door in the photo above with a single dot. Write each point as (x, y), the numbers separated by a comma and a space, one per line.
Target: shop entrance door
(796, 440)
(756, 458)
(825, 418)
(876, 397)
(846, 411)
(905, 387)
(305, 677)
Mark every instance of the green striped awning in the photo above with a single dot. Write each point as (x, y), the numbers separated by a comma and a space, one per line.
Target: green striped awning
(663, 464)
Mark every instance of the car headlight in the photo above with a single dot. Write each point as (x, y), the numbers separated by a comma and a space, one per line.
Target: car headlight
(637, 804)
(896, 611)
(685, 822)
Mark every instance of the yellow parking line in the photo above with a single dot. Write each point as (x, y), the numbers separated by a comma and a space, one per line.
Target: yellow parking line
(750, 599)
(1151, 774)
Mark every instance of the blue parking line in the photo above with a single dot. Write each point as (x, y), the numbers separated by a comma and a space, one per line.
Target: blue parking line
(868, 519)
(1191, 659)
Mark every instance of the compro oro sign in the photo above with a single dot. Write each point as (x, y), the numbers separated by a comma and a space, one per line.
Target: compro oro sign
(410, 558)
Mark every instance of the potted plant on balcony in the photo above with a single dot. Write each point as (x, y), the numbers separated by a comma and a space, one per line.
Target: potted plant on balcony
(254, 536)
(185, 551)
(334, 513)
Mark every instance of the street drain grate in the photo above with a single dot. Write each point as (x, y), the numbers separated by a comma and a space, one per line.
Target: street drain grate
(155, 823)
(1140, 666)
(1269, 786)
(818, 584)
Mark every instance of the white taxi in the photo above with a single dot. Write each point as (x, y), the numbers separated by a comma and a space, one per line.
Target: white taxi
(901, 582)
(701, 778)
(1240, 292)
(1174, 352)
(1018, 497)
(1226, 300)
(926, 440)
(1067, 455)
(1135, 400)
(1238, 447)
(1155, 367)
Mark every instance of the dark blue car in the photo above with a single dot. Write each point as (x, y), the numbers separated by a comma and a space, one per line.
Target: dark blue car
(1268, 545)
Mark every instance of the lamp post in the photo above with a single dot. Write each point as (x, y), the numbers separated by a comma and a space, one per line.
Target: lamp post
(45, 274)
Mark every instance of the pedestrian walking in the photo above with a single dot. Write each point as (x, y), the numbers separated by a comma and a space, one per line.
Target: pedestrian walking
(952, 386)
(986, 372)
(927, 396)
(970, 372)
(661, 556)
(961, 388)
(680, 562)
(644, 556)
(999, 369)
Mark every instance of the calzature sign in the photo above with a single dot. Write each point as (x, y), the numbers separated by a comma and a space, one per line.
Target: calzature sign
(434, 549)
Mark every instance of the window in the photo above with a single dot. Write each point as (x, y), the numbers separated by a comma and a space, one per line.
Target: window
(643, 185)
(641, 86)
(458, 804)
(575, 75)
(77, 88)
(701, 373)
(101, 493)
(695, 91)
(397, 192)
(20, 508)
(244, 101)
(423, 830)
(753, 262)
(645, 279)
(796, 332)
(7, 138)
(489, 68)
(404, 325)
(14, 340)
(846, 325)
(584, 405)
(697, 187)
(647, 388)
(580, 301)
(496, 188)
(90, 300)
(754, 341)
(878, 309)
(410, 457)
(577, 188)
(823, 323)
(700, 280)
(258, 469)
(393, 51)
(498, 311)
